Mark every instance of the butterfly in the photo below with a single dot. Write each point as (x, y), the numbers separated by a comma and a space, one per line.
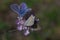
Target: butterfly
(21, 9)
(30, 21)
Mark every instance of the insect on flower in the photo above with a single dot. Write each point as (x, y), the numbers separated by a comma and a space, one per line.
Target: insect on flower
(22, 23)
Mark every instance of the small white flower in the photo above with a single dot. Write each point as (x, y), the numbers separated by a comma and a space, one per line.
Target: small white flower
(27, 33)
(24, 28)
(20, 28)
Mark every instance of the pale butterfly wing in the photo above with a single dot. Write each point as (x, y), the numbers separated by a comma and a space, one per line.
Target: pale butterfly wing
(30, 21)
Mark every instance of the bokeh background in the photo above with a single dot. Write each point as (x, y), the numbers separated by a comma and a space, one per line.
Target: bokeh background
(48, 11)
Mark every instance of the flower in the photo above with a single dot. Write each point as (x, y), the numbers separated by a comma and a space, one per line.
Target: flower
(26, 32)
(20, 24)
(22, 27)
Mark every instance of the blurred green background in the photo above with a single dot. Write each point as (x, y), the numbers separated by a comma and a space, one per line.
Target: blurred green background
(48, 11)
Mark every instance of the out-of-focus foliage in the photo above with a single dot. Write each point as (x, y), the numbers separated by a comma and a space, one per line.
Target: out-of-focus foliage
(3, 25)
